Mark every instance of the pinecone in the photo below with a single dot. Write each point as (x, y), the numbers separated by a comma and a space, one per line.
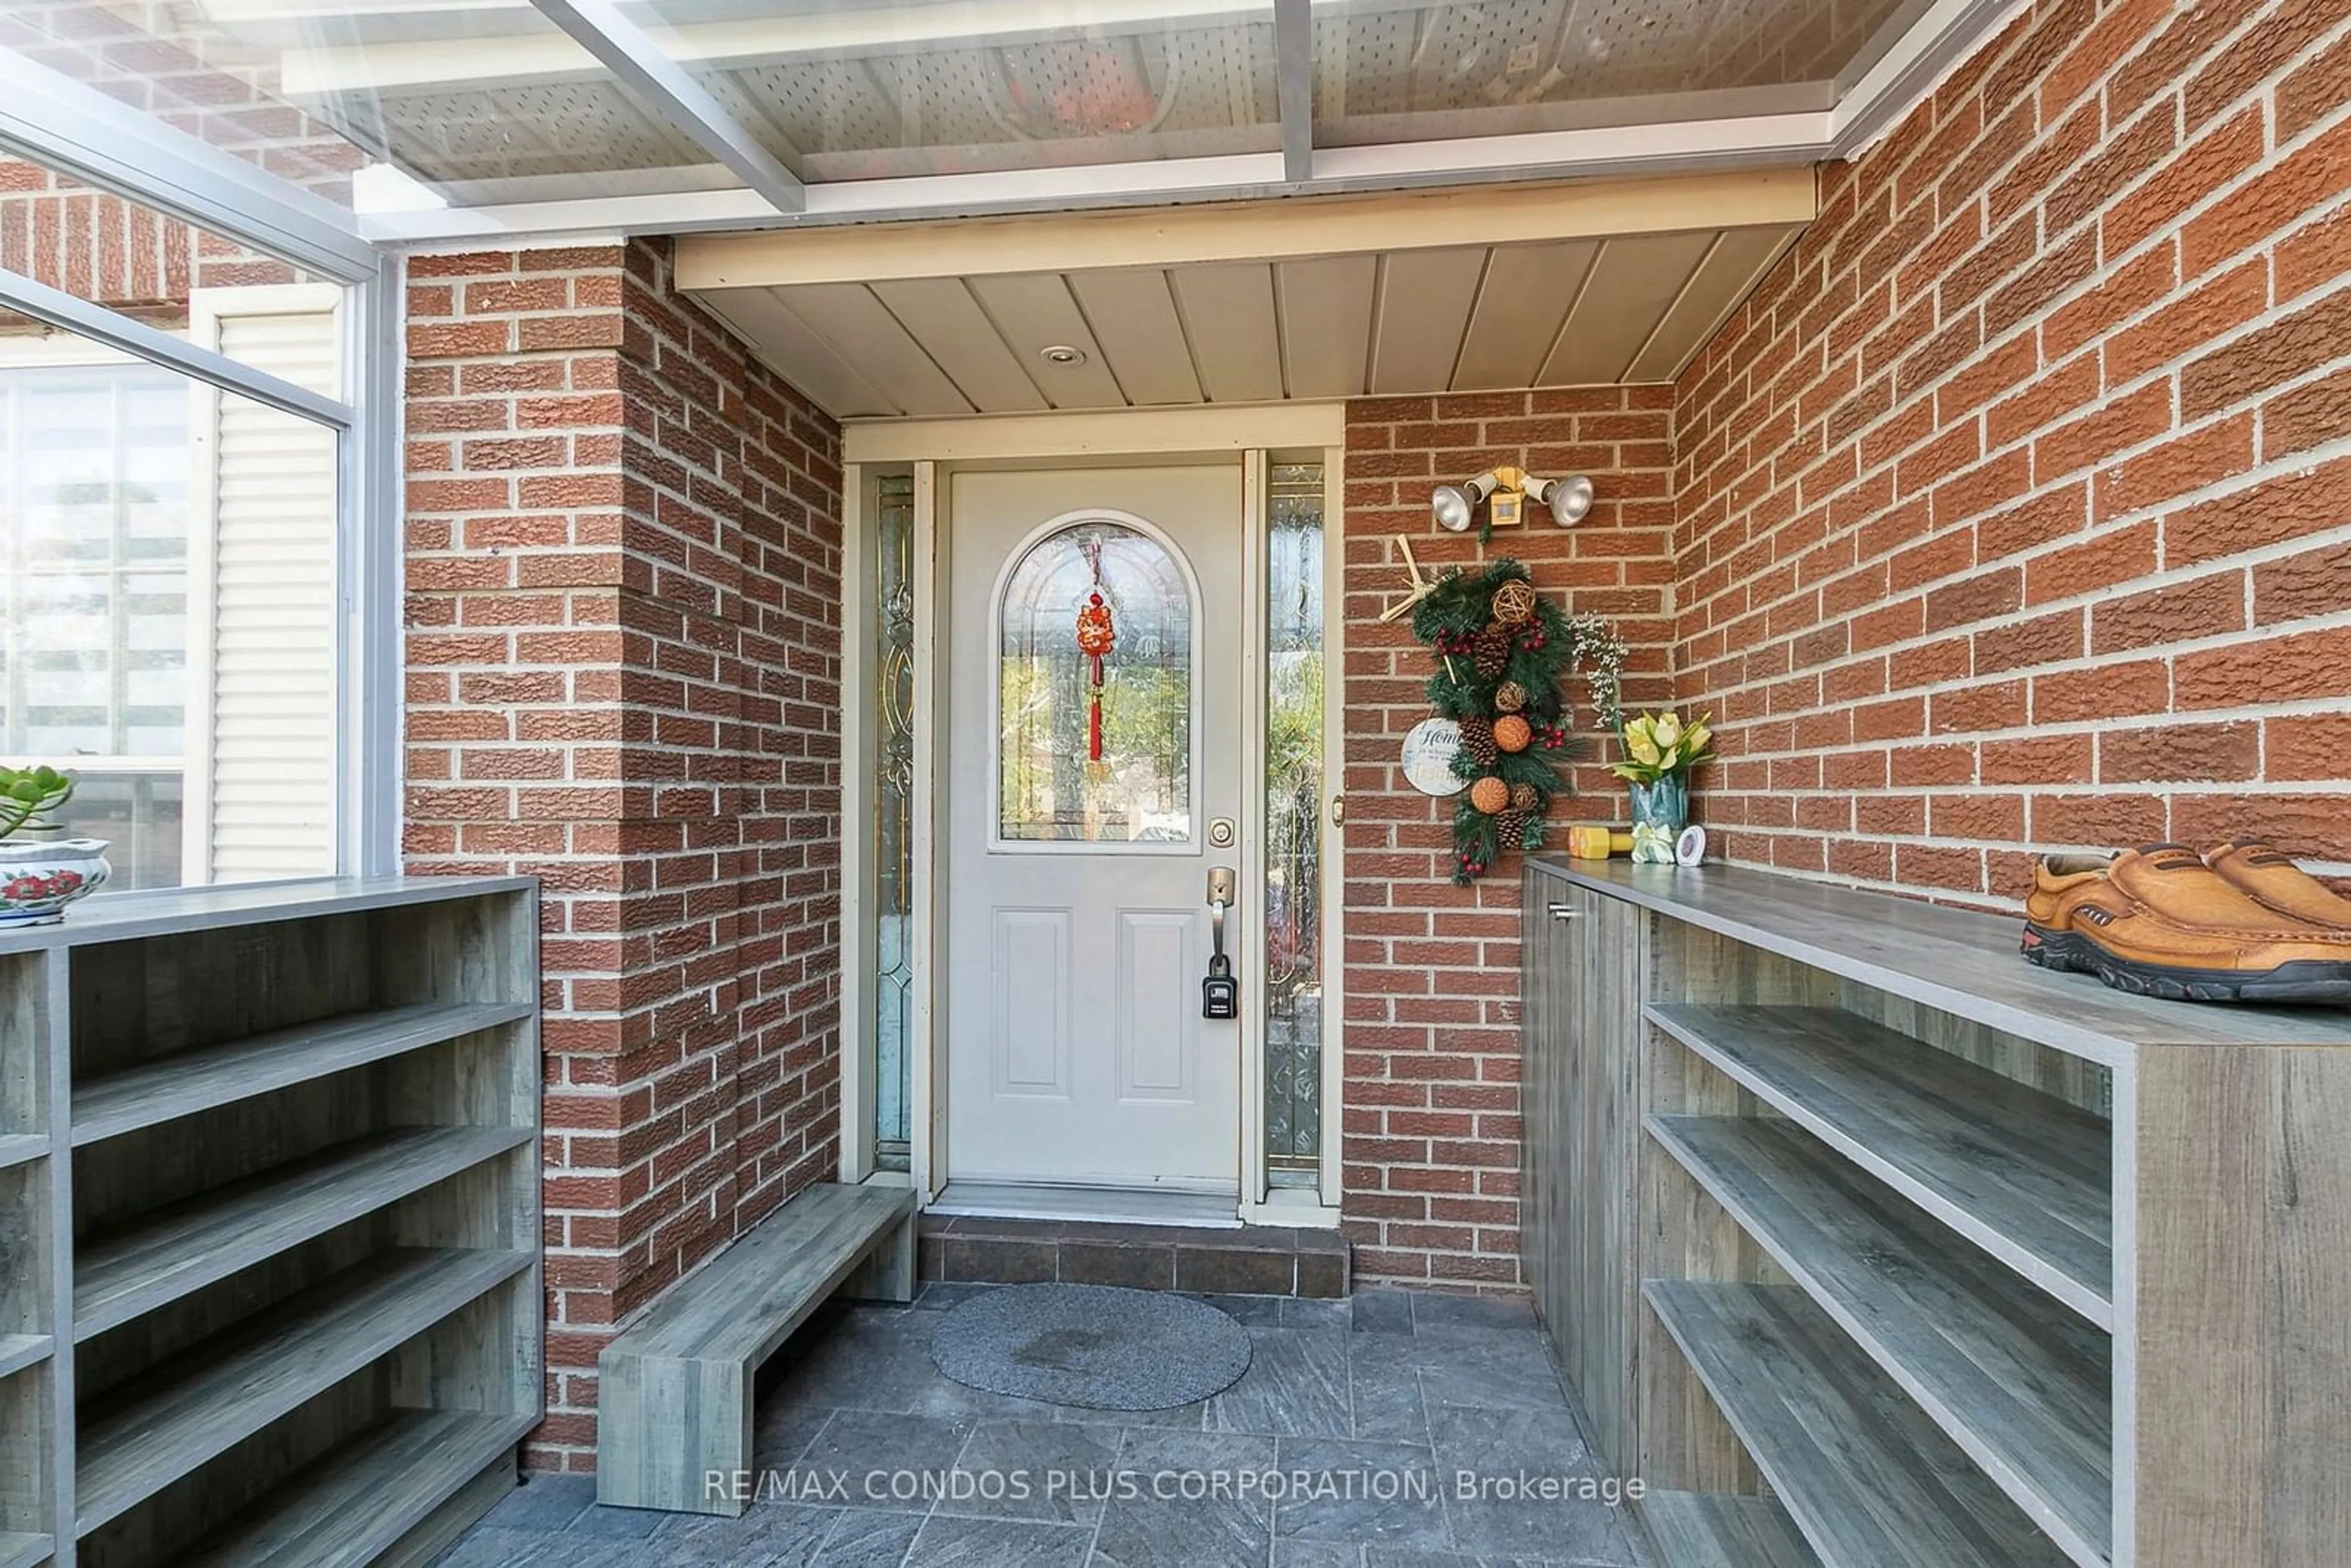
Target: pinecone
(1493, 650)
(1478, 740)
(1510, 827)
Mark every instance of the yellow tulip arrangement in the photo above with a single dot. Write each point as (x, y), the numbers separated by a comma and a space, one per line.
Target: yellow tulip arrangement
(1657, 745)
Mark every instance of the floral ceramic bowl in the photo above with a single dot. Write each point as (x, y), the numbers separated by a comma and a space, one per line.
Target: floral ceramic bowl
(39, 880)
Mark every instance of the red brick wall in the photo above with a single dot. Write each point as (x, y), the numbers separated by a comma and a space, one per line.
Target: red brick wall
(624, 677)
(1429, 979)
(102, 249)
(116, 253)
(2015, 506)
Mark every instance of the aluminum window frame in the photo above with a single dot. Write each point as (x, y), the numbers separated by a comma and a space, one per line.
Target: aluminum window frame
(51, 120)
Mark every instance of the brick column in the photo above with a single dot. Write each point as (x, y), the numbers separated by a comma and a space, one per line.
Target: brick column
(624, 677)
(1429, 982)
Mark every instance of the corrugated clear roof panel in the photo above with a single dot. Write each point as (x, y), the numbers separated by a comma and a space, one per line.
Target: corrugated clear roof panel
(478, 100)
(176, 62)
(876, 92)
(473, 102)
(1413, 70)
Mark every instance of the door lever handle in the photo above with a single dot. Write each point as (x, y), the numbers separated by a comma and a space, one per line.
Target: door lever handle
(1220, 993)
(1563, 911)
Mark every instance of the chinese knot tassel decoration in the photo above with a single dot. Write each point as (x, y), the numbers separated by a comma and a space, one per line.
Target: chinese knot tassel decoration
(1096, 636)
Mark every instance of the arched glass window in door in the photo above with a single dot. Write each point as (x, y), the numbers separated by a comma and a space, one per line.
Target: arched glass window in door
(1050, 789)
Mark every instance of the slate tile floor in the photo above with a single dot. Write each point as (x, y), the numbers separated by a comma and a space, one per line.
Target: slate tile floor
(1356, 1395)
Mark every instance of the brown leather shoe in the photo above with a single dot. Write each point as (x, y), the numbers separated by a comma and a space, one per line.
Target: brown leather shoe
(2162, 923)
(2272, 879)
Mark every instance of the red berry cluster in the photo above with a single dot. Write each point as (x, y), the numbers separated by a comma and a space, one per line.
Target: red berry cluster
(1551, 739)
(1449, 643)
(1473, 866)
(1534, 637)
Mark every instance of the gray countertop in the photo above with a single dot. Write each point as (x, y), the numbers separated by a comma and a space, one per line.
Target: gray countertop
(1960, 961)
(121, 916)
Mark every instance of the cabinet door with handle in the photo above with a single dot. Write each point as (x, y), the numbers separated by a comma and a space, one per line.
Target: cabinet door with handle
(1583, 974)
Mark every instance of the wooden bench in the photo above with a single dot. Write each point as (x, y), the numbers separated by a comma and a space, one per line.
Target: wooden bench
(673, 1393)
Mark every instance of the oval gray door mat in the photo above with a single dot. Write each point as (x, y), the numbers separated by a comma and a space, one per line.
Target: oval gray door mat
(1101, 1347)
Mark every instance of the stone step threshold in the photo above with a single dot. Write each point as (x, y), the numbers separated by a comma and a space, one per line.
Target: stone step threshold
(1247, 1260)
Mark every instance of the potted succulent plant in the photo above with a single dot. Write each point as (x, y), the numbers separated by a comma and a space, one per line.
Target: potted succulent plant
(1660, 752)
(41, 875)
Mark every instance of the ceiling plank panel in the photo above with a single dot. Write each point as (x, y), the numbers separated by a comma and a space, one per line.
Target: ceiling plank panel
(1228, 316)
(849, 317)
(798, 354)
(1426, 298)
(1326, 323)
(1394, 322)
(1134, 318)
(1526, 295)
(949, 323)
(1721, 281)
(1633, 283)
(1034, 312)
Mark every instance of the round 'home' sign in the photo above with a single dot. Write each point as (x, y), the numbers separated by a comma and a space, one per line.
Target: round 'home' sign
(1428, 752)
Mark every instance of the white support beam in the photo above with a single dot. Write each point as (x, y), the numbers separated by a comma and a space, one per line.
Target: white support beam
(1152, 181)
(1250, 231)
(71, 313)
(623, 48)
(370, 453)
(1293, 68)
(1869, 105)
(49, 119)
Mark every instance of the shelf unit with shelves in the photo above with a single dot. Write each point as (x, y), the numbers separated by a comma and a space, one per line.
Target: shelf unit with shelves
(274, 1289)
(1912, 1256)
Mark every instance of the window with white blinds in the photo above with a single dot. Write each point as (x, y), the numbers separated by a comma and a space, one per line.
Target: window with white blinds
(263, 678)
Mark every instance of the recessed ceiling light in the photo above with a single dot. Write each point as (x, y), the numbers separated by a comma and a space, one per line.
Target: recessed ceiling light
(1061, 354)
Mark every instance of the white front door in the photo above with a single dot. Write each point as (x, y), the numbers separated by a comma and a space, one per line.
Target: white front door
(1078, 930)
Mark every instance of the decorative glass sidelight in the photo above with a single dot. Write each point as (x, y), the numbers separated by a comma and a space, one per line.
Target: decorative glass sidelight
(893, 819)
(1094, 691)
(1293, 826)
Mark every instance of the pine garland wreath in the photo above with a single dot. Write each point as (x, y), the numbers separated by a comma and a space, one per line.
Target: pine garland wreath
(1525, 661)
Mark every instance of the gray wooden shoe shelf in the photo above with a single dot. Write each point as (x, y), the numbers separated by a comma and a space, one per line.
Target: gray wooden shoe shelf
(269, 1223)
(1866, 1244)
